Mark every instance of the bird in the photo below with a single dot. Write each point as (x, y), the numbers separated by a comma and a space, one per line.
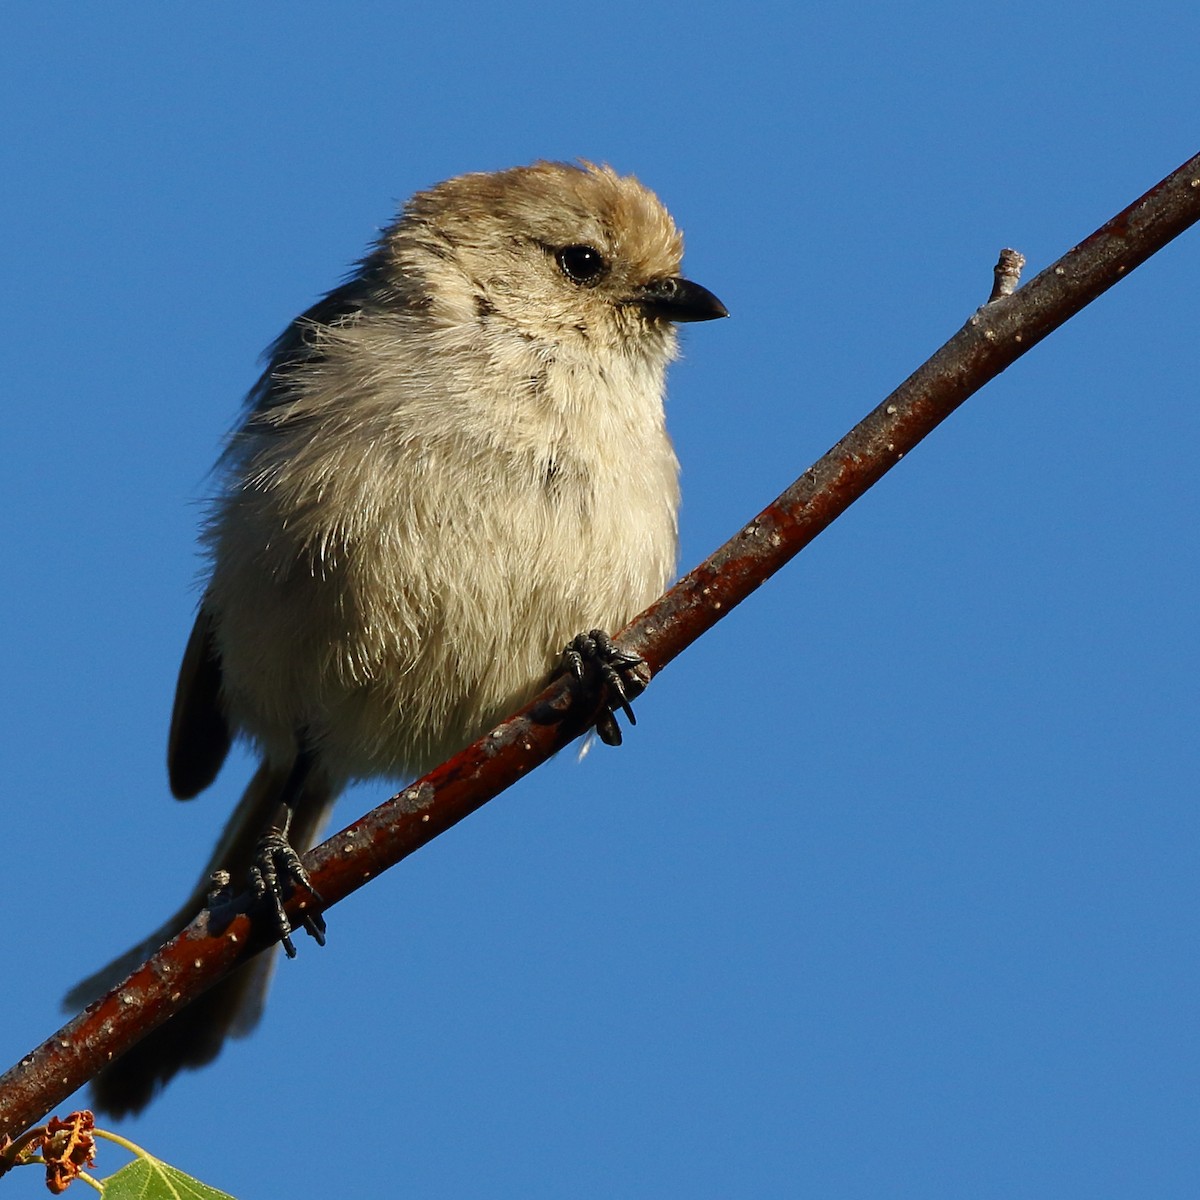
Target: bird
(453, 468)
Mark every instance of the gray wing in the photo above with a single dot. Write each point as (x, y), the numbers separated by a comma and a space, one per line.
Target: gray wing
(200, 736)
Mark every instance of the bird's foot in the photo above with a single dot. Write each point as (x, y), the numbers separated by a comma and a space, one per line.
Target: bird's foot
(593, 658)
(277, 870)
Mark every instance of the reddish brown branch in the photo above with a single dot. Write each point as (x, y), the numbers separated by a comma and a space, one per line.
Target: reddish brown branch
(995, 336)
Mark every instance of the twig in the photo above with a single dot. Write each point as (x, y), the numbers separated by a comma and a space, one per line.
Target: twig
(1008, 274)
(995, 336)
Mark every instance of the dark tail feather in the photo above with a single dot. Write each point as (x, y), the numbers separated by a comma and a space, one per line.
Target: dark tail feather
(233, 1007)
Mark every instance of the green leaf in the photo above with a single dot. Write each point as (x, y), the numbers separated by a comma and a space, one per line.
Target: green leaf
(150, 1178)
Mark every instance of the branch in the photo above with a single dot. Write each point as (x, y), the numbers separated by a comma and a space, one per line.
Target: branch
(995, 336)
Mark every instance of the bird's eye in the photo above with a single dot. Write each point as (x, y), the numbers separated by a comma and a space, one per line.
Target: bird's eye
(583, 264)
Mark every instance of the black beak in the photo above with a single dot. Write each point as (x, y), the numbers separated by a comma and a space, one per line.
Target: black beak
(676, 299)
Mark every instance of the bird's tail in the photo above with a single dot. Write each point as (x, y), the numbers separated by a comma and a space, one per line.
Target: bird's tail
(232, 1007)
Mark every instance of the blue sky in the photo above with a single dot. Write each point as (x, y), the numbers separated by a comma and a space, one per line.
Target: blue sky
(891, 893)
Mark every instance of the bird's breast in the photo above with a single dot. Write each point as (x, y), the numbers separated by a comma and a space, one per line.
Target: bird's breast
(399, 602)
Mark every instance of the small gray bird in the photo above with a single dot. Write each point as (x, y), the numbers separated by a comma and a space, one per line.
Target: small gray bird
(453, 464)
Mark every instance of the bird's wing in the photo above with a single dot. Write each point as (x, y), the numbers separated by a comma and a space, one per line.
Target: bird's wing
(200, 735)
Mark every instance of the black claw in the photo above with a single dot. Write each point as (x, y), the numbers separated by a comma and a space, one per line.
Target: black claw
(622, 675)
(314, 925)
(607, 729)
(277, 868)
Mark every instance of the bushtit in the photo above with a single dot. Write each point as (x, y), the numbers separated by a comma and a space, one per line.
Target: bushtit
(453, 464)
